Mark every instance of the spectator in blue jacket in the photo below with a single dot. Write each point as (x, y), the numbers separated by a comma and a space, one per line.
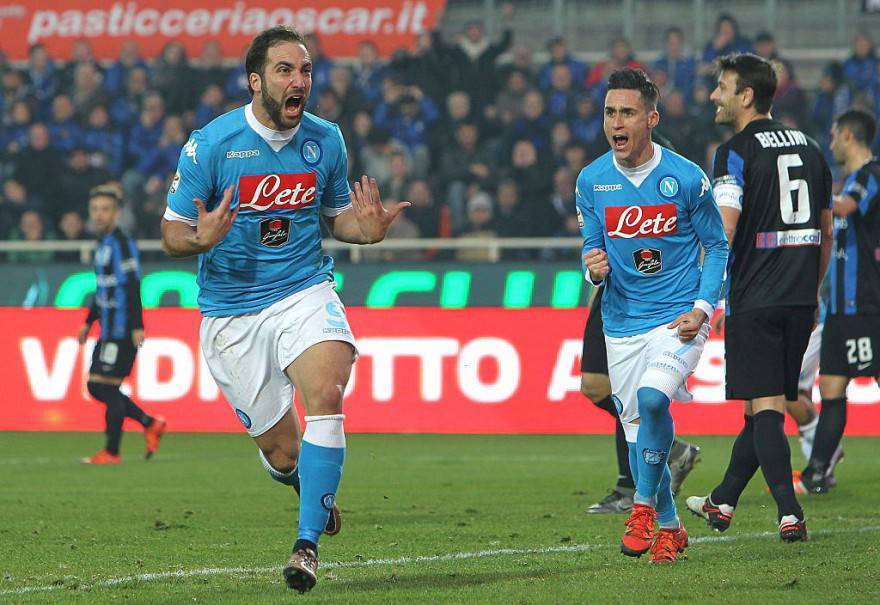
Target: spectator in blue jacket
(680, 68)
(104, 141)
(63, 127)
(560, 55)
(860, 69)
(129, 59)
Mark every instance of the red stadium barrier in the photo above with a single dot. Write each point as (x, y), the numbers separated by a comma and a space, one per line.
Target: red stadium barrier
(421, 370)
(106, 24)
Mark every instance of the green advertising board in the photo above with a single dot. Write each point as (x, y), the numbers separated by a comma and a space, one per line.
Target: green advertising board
(447, 285)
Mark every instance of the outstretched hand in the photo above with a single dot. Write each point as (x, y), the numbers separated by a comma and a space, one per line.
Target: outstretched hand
(373, 218)
(689, 324)
(214, 225)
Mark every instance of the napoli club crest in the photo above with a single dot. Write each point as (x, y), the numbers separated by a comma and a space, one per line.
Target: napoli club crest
(311, 152)
(648, 260)
(274, 232)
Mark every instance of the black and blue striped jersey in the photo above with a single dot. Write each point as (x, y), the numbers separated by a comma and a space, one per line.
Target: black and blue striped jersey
(854, 272)
(117, 302)
(778, 179)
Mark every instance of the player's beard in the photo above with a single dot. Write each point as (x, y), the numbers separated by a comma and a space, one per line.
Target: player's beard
(275, 110)
(724, 115)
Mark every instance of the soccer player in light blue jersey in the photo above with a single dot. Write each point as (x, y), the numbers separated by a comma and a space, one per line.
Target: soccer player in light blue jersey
(248, 197)
(646, 212)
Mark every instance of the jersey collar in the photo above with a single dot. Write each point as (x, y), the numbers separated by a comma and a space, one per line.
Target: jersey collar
(276, 139)
(637, 175)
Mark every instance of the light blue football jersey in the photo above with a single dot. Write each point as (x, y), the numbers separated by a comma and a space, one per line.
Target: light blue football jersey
(274, 247)
(652, 222)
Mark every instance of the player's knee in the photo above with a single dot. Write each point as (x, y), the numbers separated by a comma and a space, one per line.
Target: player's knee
(652, 401)
(326, 399)
(281, 459)
(100, 390)
(595, 387)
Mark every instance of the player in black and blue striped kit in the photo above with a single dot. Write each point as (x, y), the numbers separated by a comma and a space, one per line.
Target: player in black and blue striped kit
(117, 307)
(852, 322)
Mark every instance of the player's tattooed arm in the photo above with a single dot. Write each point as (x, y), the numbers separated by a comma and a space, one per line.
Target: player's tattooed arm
(179, 239)
(368, 220)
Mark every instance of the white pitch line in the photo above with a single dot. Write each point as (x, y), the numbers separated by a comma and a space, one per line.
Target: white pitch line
(458, 556)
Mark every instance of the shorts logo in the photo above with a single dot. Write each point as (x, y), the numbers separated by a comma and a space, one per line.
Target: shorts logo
(653, 456)
(668, 186)
(245, 419)
(618, 405)
(335, 311)
(311, 152)
(327, 501)
(274, 232)
(648, 260)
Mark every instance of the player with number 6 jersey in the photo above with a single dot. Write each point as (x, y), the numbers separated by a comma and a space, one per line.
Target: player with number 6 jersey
(774, 189)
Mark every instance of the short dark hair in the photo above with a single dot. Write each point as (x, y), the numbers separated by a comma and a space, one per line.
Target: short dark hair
(635, 79)
(255, 61)
(752, 72)
(862, 125)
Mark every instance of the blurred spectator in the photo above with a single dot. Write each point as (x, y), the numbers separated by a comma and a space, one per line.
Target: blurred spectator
(560, 98)
(790, 102)
(860, 69)
(833, 98)
(173, 78)
(533, 178)
(349, 98)
(145, 134)
(30, 228)
(87, 90)
(14, 89)
(533, 125)
(577, 156)
(466, 163)
(765, 47)
(478, 226)
(13, 203)
(81, 53)
(210, 105)
(117, 75)
(103, 141)
(71, 227)
(158, 161)
(587, 122)
(560, 55)
(408, 115)
(376, 155)
(521, 61)
(679, 127)
(680, 68)
(512, 218)
(620, 55)
(398, 183)
(458, 110)
(370, 71)
(474, 57)
(425, 66)
(126, 108)
(321, 67)
(39, 167)
(356, 140)
(15, 134)
(329, 108)
(76, 181)
(509, 101)
(63, 127)
(725, 40)
(42, 76)
(236, 87)
(560, 137)
(423, 212)
(562, 197)
(209, 69)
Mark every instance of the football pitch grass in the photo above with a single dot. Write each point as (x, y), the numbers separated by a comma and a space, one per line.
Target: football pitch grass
(426, 519)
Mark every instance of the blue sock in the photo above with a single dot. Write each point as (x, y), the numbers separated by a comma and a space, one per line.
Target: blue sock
(666, 513)
(656, 432)
(320, 471)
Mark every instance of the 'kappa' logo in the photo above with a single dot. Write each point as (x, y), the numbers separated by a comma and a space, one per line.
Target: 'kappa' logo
(247, 153)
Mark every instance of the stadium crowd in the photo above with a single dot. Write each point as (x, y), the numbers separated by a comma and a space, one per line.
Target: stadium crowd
(480, 146)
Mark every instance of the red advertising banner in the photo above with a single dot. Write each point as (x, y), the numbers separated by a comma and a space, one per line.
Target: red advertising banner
(421, 370)
(340, 24)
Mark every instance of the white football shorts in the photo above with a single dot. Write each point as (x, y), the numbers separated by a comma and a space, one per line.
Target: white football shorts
(810, 365)
(247, 354)
(656, 359)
